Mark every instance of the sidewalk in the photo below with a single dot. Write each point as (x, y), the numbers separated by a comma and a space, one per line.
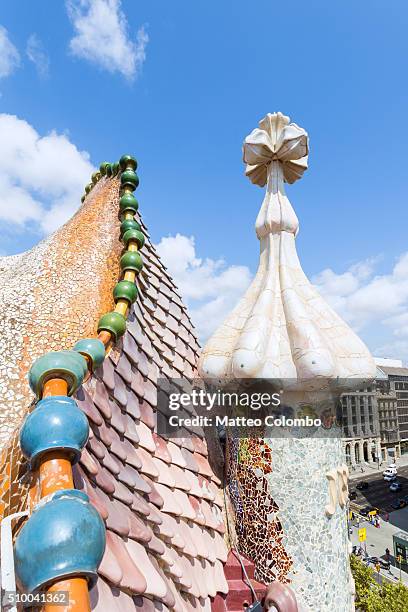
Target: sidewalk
(377, 541)
(372, 468)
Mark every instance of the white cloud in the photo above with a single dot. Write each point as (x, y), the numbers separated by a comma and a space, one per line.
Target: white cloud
(374, 304)
(209, 287)
(102, 37)
(37, 54)
(9, 56)
(41, 177)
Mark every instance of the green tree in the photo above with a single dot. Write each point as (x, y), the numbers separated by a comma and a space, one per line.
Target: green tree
(364, 581)
(372, 597)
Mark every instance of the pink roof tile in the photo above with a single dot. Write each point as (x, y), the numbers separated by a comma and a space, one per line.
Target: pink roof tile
(159, 498)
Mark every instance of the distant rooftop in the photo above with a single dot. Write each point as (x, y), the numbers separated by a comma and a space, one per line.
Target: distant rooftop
(390, 363)
(394, 371)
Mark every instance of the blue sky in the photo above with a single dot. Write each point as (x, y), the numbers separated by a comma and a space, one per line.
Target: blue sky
(182, 102)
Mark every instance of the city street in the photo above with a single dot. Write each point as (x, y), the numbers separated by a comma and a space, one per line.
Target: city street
(380, 539)
(378, 493)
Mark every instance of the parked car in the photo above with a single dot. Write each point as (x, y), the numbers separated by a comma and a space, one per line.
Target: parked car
(400, 503)
(362, 485)
(352, 495)
(395, 486)
(368, 510)
(390, 477)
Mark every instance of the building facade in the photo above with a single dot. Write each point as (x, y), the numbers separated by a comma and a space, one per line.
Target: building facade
(361, 427)
(397, 391)
(388, 419)
(372, 417)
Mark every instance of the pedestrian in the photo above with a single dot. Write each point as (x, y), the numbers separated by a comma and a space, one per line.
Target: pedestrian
(387, 555)
(387, 518)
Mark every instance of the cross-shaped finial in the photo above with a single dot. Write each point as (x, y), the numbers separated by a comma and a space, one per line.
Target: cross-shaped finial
(276, 139)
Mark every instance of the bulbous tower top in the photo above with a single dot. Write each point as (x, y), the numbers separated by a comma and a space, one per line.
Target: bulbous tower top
(282, 328)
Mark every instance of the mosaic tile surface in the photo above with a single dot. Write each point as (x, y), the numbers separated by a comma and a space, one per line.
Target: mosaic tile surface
(54, 294)
(14, 479)
(258, 528)
(318, 545)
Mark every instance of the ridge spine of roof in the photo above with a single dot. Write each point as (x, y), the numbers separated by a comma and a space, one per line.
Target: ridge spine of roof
(62, 543)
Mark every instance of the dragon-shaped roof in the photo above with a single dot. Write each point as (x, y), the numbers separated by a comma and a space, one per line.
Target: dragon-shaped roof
(159, 498)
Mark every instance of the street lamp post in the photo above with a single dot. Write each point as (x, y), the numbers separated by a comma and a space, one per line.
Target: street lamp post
(399, 559)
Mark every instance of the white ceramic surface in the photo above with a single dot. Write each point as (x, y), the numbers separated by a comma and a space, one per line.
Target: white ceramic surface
(282, 328)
